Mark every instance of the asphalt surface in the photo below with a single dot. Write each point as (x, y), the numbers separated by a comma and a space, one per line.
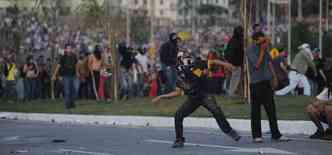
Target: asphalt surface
(40, 138)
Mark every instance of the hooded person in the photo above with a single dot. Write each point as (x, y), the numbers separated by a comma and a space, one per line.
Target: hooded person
(168, 57)
(302, 61)
(193, 80)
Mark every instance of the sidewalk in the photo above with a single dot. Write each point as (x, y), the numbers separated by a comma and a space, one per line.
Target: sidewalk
(286, 127)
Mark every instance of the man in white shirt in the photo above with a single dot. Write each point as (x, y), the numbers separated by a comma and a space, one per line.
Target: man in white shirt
(142, 69)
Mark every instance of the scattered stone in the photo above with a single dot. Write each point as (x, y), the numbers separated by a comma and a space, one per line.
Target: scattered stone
(58, 141)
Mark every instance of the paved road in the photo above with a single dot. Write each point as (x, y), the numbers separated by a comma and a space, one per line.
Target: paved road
(37, 138)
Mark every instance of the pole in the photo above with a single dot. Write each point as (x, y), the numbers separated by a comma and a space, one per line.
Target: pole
(289, 31)
(269, 16)
(273, 23)
(152, 16)
(320, 26)
(327, 15)
(128, 23)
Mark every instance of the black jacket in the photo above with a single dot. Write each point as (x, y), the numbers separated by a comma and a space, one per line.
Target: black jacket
(235, 48)
(168, 53)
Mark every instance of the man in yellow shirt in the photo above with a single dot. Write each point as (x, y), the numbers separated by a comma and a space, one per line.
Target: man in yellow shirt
(10, 75)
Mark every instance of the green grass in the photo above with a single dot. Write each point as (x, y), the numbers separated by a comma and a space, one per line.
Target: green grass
(288, 108)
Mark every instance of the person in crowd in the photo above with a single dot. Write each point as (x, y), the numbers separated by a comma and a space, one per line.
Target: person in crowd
(262, 75)
(168, 57)
(31, 72)
(82, 74)
(142, 60)
(43, 79)
(235, 53)
(20, 89)
(320, 110)
(10, 76)
(126, 65)
(280, 66)
(299, 67)
(317, 82)
(192, 80)
(106, 84)
(2, 74)
(66, 68)
(95, 66)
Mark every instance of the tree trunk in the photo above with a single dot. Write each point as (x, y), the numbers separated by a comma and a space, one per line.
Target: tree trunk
(299, 10)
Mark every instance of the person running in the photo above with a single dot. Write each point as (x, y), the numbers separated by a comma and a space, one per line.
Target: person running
(193, 80)
(299, 67)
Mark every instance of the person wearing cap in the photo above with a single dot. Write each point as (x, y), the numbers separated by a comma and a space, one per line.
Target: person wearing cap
(193, 80)
(302, 61)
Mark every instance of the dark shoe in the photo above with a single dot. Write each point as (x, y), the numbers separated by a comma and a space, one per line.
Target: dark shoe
(179, 143)
(234, 135)
(327, 135)
(317, 135)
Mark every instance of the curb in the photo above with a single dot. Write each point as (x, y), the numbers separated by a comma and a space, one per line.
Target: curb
(286, 127)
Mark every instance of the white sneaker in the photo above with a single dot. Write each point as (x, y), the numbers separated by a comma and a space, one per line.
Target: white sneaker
(258, 140)
(282, 139)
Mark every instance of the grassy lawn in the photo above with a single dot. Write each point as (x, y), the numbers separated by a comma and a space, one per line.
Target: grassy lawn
(288, 108)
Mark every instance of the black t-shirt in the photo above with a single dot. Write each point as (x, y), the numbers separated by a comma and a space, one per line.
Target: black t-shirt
(68, 65)
(193, 81)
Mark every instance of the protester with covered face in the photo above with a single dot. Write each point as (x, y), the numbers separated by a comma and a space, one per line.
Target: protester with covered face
(262, 81)
(168, 57)
(235, 53)
(193, 80)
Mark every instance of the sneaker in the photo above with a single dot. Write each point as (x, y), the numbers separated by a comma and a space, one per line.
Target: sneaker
(179, 143)
(234, 135)
(282, 139)
(327, 135)
(258, 140)
(317, 135)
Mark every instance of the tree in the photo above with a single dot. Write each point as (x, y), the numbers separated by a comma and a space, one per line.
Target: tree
(93, 14)
(212, 12)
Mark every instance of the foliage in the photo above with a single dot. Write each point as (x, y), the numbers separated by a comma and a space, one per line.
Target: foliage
(211, 11)
(208, 9)
(93, 14)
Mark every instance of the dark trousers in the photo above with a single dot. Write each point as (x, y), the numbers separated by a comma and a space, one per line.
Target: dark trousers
(31, 88)
(69, 91)
(191, 105)
(262, 94)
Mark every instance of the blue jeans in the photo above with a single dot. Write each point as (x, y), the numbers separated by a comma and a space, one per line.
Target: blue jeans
(77, 85)
(171, 76)
(126, 83)
(69, 91)
(31, 88)
(20, 89)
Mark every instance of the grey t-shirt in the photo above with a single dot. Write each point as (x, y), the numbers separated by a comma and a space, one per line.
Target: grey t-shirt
(262, 73)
